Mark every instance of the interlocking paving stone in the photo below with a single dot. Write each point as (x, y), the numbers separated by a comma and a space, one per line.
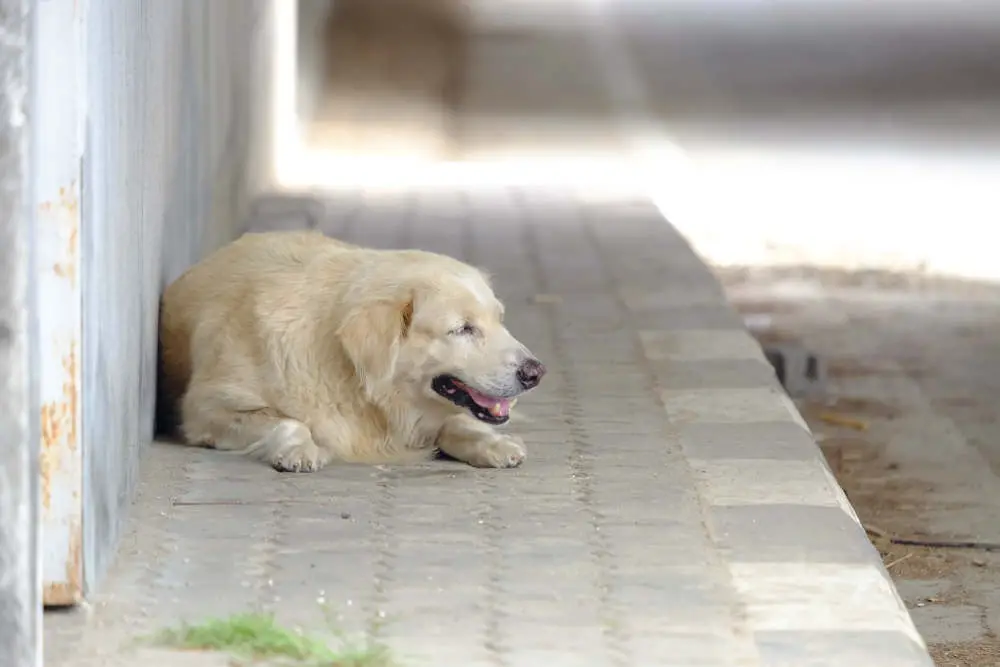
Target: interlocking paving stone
(674, 509)
(813, 649)
(774, 532)
(711, 374)
(755, 440)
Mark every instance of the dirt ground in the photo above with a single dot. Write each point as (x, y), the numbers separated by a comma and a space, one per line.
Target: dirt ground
(908, 422)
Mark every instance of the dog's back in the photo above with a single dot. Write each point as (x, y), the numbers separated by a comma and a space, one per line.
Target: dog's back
(210, 292)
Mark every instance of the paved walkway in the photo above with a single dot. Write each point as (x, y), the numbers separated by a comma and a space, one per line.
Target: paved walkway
(673, 509)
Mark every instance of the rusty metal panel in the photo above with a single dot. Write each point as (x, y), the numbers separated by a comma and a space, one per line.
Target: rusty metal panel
(170, 94)
(59, 123)
(144, 129)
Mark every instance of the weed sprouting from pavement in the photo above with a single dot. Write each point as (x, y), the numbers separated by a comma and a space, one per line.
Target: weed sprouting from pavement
(261, 637)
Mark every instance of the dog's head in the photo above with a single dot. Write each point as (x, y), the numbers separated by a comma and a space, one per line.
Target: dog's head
(436, 340)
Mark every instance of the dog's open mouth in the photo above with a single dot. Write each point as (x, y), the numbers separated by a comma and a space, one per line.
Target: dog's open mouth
(489, 409)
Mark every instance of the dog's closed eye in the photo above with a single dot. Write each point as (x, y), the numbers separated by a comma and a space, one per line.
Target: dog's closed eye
(467, 329)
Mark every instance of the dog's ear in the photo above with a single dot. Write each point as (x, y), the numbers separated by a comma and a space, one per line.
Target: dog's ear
(371, 336)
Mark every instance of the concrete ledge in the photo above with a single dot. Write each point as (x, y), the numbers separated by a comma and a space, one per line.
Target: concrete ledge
(813, 586)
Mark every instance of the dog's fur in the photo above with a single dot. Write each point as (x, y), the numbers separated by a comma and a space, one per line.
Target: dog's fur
(302, 350)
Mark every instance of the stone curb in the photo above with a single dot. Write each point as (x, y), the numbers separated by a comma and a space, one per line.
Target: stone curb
(813, 586)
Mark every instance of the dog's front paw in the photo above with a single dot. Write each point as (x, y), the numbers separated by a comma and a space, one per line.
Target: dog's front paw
(504, 451)
(300, 457)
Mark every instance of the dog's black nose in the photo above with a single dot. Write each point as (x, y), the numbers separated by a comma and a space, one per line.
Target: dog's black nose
(530, 373)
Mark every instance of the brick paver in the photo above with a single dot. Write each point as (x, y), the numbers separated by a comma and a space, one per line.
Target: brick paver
(673, 509)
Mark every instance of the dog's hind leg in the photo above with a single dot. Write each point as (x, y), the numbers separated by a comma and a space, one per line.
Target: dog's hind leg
(225, 417)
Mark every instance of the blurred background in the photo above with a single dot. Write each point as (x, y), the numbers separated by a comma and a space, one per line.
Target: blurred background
(840, 132)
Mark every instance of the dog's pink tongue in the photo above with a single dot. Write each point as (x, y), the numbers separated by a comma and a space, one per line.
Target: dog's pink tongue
(498, 407)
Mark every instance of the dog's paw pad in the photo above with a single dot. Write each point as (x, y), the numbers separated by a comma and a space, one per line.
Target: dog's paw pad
(300, 458)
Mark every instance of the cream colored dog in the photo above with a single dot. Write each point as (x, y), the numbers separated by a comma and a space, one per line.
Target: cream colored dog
(301, 350)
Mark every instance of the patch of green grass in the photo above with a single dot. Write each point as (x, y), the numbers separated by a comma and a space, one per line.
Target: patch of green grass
(260, 637)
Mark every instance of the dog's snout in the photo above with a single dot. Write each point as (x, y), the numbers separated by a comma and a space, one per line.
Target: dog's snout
(530, 373)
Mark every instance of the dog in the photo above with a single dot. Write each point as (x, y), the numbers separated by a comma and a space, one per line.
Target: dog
(301, 350)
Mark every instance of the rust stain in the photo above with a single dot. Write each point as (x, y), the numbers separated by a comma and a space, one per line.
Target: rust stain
(67, 269)
(72, 243)
(68, 201)
(71, 394)
(68, 592)
(59, 433)
(67, 206)
(59, 426)
(48, 458)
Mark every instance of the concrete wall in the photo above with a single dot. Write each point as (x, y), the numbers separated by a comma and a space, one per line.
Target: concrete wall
(177, 141)
(20, 617)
